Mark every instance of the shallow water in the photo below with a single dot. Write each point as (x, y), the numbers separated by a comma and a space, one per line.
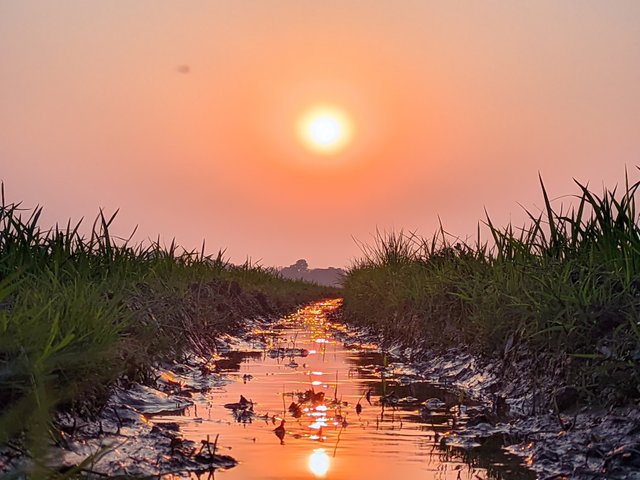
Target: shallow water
(390, 433)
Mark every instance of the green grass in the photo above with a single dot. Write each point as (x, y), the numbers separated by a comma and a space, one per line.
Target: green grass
(78, 312)
(564, 286)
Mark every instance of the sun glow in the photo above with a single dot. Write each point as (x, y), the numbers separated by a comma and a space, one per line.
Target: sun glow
(319, 463)
(325, 129)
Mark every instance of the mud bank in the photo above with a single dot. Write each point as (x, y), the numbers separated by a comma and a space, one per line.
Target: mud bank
(533, 415)
(170, 333)
(125, 439)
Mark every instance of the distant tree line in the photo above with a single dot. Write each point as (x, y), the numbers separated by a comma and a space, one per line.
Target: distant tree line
(322, 276)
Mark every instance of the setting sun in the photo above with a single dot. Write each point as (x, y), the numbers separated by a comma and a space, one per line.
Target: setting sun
(325, 129)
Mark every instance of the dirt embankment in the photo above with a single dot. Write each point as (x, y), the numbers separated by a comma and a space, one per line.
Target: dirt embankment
(532, 408)
(161, 359)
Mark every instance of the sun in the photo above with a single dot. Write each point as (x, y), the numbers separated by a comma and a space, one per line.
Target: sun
(325, 129)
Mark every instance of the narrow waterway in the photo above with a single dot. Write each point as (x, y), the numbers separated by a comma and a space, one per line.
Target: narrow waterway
(317, 405)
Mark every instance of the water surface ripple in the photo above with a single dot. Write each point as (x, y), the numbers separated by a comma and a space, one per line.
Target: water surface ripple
(320, 405)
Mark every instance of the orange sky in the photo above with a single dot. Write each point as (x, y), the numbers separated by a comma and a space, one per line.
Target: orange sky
(456, 107)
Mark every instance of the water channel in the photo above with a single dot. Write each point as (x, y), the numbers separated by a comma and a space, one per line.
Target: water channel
(316, 405)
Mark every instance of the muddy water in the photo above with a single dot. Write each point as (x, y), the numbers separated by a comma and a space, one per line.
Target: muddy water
(320, 409)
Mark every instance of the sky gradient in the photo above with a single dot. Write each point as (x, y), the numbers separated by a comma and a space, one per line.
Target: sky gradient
(183, 115)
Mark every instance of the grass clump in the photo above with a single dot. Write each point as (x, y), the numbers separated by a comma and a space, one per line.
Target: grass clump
(78, 312)
(563, 289)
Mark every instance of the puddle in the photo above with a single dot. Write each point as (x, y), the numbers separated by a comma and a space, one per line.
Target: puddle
(302, 405)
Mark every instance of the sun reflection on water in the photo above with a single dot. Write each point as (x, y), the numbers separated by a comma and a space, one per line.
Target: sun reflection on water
(343, 398)
(319, 463)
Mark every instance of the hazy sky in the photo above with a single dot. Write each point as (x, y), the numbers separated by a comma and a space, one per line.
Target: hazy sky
(183, 114)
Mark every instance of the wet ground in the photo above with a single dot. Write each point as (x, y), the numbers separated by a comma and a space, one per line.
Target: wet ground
(307, 398)
(304, 400)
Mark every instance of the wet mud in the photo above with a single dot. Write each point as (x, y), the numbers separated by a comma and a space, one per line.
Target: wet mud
(307, 397)
(541, 422)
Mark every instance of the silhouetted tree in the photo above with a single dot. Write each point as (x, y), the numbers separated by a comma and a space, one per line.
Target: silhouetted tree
(301, 265)
(323, 276)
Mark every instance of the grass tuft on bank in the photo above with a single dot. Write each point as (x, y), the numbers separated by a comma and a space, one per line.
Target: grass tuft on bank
(563, 290)
(78, 312)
